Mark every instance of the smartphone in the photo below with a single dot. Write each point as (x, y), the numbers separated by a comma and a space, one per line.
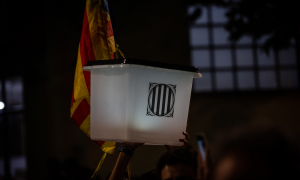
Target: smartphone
(201, 145)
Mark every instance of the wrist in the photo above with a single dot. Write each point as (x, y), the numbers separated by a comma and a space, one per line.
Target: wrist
(126, 149)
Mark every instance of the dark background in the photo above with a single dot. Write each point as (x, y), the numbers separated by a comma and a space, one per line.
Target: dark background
(39, 43)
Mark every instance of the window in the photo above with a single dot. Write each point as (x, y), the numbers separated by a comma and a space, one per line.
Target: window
(236, 66)
(12, 153)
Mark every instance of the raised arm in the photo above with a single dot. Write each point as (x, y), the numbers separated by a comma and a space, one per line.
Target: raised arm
(126, 151)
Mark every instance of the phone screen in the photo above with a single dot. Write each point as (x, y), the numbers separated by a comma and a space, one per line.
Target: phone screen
(201, 148)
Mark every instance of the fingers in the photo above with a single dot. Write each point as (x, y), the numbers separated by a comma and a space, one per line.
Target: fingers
(186, 136)
(185, 142)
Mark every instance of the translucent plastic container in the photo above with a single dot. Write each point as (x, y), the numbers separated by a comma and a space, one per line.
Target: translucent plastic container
(139, 101)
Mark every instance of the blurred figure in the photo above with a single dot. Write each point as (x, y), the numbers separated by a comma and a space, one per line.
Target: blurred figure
(260, 154)
(150, 175)
(178, 164)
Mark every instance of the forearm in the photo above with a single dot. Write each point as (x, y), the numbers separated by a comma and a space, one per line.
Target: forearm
(120, 167)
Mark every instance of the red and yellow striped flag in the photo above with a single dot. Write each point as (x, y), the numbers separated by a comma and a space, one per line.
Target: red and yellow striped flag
(96, 43)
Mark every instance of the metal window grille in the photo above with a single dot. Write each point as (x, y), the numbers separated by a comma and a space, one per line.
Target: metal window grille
(236, 66)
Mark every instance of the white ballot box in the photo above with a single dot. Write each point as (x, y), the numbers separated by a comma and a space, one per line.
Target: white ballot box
(139, 101)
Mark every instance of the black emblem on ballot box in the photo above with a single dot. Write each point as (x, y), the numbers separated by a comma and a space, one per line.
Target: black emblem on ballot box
(161, 100)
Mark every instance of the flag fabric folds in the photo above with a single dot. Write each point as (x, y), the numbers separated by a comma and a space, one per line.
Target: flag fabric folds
(96, 43)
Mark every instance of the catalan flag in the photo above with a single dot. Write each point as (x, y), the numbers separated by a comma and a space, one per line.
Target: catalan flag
(96, 43)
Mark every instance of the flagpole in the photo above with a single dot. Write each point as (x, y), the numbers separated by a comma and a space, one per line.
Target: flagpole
(112, 17)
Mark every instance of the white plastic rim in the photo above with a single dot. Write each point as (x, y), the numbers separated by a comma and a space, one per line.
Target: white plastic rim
(88, 68)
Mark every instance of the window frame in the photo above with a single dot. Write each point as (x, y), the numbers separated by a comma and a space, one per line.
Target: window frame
(232, 47)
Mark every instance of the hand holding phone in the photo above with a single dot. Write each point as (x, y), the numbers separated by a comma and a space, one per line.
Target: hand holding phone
(204, 158)
(201, 146)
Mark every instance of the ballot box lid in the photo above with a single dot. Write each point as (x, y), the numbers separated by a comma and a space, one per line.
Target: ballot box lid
(144, 63)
